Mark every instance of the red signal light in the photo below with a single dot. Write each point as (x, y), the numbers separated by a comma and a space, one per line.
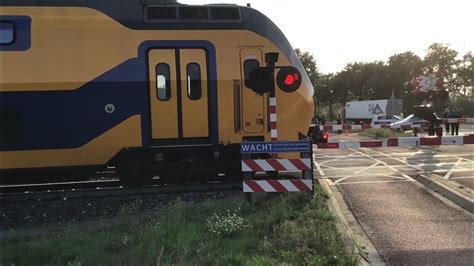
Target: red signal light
(325, 136)
(289, 80)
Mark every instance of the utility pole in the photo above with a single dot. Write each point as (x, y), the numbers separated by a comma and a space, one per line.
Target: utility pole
(393, 103)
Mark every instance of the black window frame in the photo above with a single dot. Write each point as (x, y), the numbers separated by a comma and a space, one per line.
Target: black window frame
(194, 82)
(167, 82)
(247, 71)
(13, 32)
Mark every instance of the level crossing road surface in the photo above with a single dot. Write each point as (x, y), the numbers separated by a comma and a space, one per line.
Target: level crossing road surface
(407, 224)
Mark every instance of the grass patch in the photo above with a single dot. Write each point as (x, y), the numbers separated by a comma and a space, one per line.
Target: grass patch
(384, 133)
(283, 229)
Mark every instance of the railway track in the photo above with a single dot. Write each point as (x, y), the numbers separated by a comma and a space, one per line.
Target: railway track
(103, 188)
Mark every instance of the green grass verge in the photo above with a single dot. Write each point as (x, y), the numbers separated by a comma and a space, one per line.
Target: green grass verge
(384, 133)
(284, 229)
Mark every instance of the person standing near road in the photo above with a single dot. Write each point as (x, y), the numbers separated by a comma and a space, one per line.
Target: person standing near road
(455, 126)
(339, 119)
(446, 115)
(323, 120)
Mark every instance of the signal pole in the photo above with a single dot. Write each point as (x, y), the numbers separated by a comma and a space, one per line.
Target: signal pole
(272, 104)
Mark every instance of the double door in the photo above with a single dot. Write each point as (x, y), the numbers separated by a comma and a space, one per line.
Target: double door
(178, 87)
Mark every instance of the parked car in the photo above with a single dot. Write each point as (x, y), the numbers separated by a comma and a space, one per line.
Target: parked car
(408, 122)
(385, 119)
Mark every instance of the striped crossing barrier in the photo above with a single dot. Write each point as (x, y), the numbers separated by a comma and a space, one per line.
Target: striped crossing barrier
(401, 142)
(267, 165)
(465, 120)
(367, 126)
(273, 166)
(292, 185)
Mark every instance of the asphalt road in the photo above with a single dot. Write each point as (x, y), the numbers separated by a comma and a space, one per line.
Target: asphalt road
(407, 224)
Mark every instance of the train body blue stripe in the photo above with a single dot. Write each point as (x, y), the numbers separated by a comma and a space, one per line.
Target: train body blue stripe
(69, 119)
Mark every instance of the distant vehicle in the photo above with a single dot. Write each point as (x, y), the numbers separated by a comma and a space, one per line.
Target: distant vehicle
(365, 111)
(409, 121)
(385, 119)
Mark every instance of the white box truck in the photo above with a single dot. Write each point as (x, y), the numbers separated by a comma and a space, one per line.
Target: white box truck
(357, 111)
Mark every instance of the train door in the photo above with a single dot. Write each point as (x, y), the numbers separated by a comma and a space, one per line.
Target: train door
(178, 88)
(253, 115)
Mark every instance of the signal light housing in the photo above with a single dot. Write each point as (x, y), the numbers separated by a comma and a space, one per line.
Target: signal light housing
(261, 80)
(288, 79)
(325, 137)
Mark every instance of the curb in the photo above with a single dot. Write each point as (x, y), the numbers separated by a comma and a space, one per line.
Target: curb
(435, 184)
(352, 233)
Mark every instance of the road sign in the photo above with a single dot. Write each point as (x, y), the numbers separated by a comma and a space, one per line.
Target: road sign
(275, 146)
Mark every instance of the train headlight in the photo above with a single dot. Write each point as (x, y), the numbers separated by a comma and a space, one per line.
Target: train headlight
(288, 79)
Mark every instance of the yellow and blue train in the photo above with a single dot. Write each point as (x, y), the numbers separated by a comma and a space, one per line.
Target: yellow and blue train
(154, 90)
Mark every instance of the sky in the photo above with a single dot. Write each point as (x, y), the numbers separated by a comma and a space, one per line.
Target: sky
(338, 32)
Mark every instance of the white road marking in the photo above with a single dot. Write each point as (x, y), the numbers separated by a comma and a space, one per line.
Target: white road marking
(336, 159)
(319, 168)
(450, 172)
(356, 173)
(382, 162)
(403, 155)
(374, 182)
(421, 164)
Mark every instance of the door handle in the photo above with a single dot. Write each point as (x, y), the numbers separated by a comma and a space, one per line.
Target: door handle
(236, 105)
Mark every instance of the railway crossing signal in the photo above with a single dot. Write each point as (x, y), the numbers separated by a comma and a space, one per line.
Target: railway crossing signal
(262, 79)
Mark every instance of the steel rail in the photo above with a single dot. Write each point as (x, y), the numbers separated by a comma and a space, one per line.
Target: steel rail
(119, 191)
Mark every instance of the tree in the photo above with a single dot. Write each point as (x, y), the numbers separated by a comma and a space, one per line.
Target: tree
(360, 81)
(465, 75)
(311, 67)
(400, 70)
(324, 91)
(441, 59)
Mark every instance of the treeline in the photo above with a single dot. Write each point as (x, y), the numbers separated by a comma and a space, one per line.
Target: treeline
(377, 80)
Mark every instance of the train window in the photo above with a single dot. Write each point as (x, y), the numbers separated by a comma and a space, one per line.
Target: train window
(163, 86)
(249, 65)
(7, 33)
(194, 81)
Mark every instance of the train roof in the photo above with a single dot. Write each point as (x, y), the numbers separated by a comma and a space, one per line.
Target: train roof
(162, 14)
(171, 15)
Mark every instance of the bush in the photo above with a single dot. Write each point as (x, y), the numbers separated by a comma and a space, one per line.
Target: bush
(384, 133)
